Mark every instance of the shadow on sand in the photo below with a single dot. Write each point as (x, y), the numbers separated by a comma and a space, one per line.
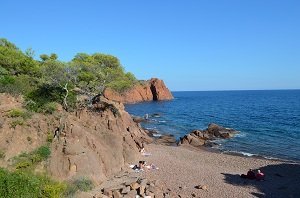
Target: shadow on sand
(282, 180)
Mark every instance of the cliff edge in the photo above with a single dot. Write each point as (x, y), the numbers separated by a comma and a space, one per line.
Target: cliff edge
(153, 89)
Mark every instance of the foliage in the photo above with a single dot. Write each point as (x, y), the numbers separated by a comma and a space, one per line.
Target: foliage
(83, 184)
(50, 137)
(17, 85)
(28, 160)
(26, 184)
(16, 122)
(51, 81)
(14, 113)
(80, 184)
(15, 61)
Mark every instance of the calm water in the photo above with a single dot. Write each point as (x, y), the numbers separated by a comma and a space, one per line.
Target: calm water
(268, 121)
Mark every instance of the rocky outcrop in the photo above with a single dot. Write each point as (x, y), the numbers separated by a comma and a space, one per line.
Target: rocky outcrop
(98, 143)
(199, 138)
(153, 89)
(93, 143)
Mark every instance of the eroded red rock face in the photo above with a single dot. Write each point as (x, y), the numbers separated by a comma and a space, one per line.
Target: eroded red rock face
(94, 143)
(153, 89)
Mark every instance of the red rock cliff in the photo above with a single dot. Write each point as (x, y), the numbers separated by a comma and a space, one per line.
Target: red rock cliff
(153, 89)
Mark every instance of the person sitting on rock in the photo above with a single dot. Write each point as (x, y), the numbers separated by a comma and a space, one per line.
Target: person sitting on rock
(250, 175)
(260, 175)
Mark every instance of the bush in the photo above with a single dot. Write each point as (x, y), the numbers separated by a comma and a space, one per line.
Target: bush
(16, 122)
(26, 184)
(43, 151)
(81, 184)
(17, 85)
(50, 137)
(28, 160)
(13, 113)
(49, 108)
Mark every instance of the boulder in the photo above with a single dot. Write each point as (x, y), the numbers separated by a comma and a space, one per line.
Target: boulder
(199, 138)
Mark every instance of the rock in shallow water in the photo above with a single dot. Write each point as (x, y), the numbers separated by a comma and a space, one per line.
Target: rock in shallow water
(199, 138)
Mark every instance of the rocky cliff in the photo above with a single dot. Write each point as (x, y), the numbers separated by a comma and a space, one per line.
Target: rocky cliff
(95, 143)
(153, 89)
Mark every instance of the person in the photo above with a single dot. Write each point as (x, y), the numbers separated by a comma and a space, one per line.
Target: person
(146, 116)
(142, 150)
(250, 175)
(260, 175)
(139, 167)
(142, 165)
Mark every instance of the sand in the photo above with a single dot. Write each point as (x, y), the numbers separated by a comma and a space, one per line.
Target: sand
(182, 168)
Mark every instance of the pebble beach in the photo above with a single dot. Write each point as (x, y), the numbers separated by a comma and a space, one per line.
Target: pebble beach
(190, 172)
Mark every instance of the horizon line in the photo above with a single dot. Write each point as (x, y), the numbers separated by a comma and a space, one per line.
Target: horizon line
(295, 89)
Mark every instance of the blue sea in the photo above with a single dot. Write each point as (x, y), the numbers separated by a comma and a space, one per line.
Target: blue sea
(268, 121)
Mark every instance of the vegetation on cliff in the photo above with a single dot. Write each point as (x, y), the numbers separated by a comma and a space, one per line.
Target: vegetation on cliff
(48, 81)
(43, 84)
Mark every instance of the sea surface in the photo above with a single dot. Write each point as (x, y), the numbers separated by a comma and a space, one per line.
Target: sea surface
(268, 121)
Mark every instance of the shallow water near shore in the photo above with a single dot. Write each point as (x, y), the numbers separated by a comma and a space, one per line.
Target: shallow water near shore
(268, 121)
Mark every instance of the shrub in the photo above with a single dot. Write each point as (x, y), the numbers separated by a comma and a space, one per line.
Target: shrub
(17, 85)
(43, 151)
(16, 122)
(50, 137)
(26, 184)
(81, 184)
(28, 160)
(49, 108)
(13, 113)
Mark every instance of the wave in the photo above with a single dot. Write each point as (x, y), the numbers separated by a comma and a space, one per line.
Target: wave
(241, 153)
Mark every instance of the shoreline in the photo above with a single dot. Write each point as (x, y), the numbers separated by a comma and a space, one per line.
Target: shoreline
(182, 168)
(233, 153)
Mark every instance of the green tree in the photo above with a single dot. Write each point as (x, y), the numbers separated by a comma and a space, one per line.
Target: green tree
(44, 57)
(15, 61)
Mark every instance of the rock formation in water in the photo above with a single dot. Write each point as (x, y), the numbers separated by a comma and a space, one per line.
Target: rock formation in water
(199, 138)
(153, 89)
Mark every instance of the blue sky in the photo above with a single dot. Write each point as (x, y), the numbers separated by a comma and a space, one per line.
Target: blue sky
(191, 44)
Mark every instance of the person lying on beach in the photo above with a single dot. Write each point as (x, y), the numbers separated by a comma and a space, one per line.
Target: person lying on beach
(140, 166)
(250, 175)
(143, 165)
(151, 167)
(260, 175)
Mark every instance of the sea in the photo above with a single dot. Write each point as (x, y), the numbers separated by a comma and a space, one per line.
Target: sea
(268, 121)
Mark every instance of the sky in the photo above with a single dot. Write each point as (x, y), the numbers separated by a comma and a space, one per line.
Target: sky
(193, 45)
